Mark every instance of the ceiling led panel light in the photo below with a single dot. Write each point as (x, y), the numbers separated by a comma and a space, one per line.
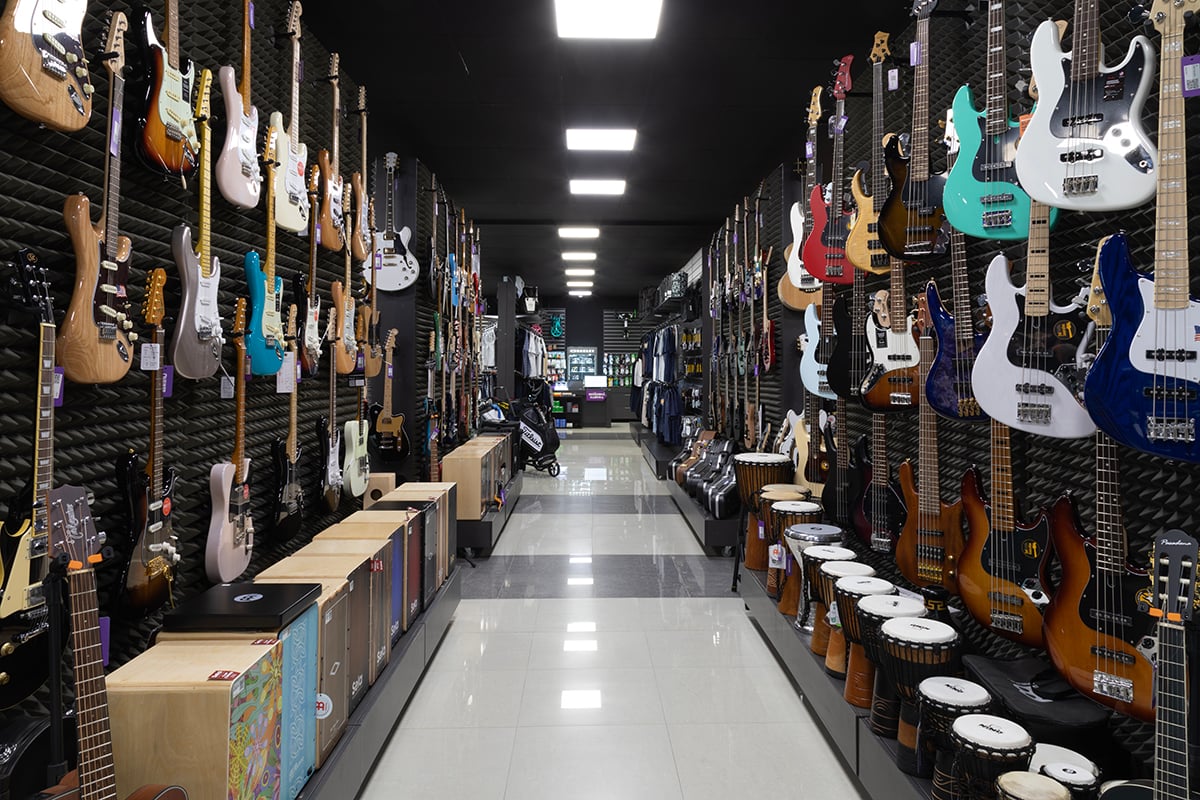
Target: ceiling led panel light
(579, 284)
(607, 19)
(577, 255)
(580, 273)
(579, 293)
(579, 233)
(592, 186)
(601, 138)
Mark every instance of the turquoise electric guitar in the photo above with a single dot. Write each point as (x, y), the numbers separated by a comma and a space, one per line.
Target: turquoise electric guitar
(265, 336)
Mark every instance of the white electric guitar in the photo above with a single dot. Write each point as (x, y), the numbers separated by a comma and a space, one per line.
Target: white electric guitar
(356, 465)
(397, 267)
(815, 358)
(291, 196)
(238, 175)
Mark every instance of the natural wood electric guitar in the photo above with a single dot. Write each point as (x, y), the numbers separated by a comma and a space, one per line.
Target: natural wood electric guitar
(333, 195)
(95, 340)
(44, 73)
(238, 173)
(364, 226)
(391, 440)
(346, 353)
(166, 140)
(367, 321)
(863, 247)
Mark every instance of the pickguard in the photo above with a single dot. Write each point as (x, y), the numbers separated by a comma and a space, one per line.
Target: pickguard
(1016, 556)
(207, 314)
(1173, 330)
(247, 145)
(174, 105)
(813, 372)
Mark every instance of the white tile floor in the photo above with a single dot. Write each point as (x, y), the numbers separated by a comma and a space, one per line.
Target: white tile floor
(622, 698)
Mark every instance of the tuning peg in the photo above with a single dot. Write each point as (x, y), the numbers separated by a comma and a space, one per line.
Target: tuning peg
(133, 337)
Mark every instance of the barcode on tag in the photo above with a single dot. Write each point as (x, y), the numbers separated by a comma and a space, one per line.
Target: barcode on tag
(285, 379)
(1191, 76)
(893, 79)
(150, 356)
(832, 617)
(226, 387)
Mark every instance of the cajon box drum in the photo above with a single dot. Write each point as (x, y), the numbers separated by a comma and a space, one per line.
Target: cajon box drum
(438, 509)
(398, 536)
(378, 484)
(192, 713)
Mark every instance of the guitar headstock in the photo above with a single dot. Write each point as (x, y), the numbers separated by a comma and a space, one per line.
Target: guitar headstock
(922, 9)
(1172, 16)
(1097, 306)
(390, 344)
(114, 42)
(314, 182)
(335, 63)
(291, 324)
(880, 49)
(362, 100)
(814, 106)
(293, 19)
(841, 79)
(924, 321)
(72, 530)
(390, 159)
(1173, 591)
(239, 330)
(153, 307)
(203, 110)
(31, 286)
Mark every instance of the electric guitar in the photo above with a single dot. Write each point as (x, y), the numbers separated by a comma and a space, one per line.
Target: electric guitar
(356, 466)
(150, 497)
(291, 207)
(819, 332)
(44, 72)
(825, 247)
(797, 288)
(328, 432)
(1171, 600)
(397, 267)
(389, 434)
(364, 227)
(1084, 147)
(931, 540)
(1097, 632)
(74, 537)
(877, 512)
(863, 247)
(314, 337)
(346, 353)
(367, 320)
(166, 139)
(231, 527)
(23, 538)
(850, 357)
(288, 514)
(839, 489)
(912, 223)
(264, 338)
(1143, 388)
(983, 197)
(95, 340)
(239, 176)
(891, 381)
(333, 222)
(812, 448)
(197, 339)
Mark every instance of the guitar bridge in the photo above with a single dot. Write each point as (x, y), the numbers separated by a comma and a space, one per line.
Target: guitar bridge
(1081, 184)
(1171, 429)
(1112, 686)
(1037, 413)
(1004, 621)
(997, 219)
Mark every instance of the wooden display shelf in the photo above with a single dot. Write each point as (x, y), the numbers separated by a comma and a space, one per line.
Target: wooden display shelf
(708, 530)
(482, 534)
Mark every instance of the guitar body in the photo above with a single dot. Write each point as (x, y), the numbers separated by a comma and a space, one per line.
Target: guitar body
(346, 350)
(313, 338)
(68, 789)
(356, 467)
(36, 80)
(1124, 644)
(1052, 344)
(863, 248)
(166, 140)
(912, 223)
(239, 176)
(877, 510)
(331, 465)
(196, 341)
(839, 489)
(264, 339)
(146, 574)
(331, 219)
(360, 237)
(26, 666)
(843, 360)
(825, 249)
(1002, 577)
(948, 386)
(92, 346)
(1123, 393)
(797, 289)
(1126, 169)
(230, 529)
(892, 382)
(388, 437)
(26, 743)
(398, 267)
(814, 476)
(812, 371)
(291, 195)
(928, 555)
(372, 354)
(983, 197)
(288, 513)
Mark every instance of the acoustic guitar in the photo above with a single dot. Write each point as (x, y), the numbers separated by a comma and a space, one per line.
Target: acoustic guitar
(44, 74)
(238, 174)
(166, 138)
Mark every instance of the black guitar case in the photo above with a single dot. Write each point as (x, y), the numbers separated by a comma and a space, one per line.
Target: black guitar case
(24, 753)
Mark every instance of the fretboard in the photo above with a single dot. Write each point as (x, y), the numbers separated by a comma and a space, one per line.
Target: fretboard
(997, 65)
(97, 776)
(1112, 545)
(337, 126)
(836, 185)
(812, 413)
(929, 487)
(1001, 485)
(332, 387)
(239, 429)
(112, 169)
(825, 345)
(810, 176)
(964, 335)
(156, 424)
(204, 253)
(244, 87)
(843, 459)
(880, 472)
(269, 257)
(293, 408)
(1085, 41)
(879, 178)
(858, 333)
(919, 157)
(172, 34)
(1171, 715)
(1037, 261)
(294, 122)
(387, 382)
(896, 298)
(43, 451)
(389, 224)
(1171, 223)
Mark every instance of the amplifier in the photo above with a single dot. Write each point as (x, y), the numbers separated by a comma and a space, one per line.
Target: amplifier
(398, 534)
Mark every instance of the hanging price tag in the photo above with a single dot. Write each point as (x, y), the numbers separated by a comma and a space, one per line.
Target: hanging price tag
(285, 379)
(115, 149)
(775, 556)
(226, 387)
(832, 617)
(59, 380)
(168, 381)
(893, 79)
(251, 16)
(762, 530)
(149, 360)
(914, 54)
(1191, 75)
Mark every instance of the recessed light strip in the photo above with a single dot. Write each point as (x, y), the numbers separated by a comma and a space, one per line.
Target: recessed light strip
(580, 273)
(601, 138)
(597, 186)
(574, 232)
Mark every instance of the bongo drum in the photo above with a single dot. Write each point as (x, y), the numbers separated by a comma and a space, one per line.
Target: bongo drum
(943, 700)
(1029, 786)
(872, 612)
(798, 539)
(1081, 783)
(813, 557)
(831, 572)
(913, 650)
(860, 673)
(986, 747)
(779, 515)
(754, 471)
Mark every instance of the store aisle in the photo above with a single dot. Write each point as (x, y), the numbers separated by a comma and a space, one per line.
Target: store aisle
(598, 653)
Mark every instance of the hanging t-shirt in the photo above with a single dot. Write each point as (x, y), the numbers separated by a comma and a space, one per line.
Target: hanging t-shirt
(487, 348)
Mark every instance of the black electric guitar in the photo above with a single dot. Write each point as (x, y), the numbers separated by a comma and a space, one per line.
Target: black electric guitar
(387, 427)
(289, 495)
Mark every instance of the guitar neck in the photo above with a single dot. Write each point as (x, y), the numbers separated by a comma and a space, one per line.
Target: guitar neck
(879, 179)
(171, 34)
(897, 316)
(387, 382)
(810, 176)
(337, 124)
(836, 201)
(961, 302)
(43, 450)
(858, 298)
(918, 166)
(293, 447)
(1171, 750)
(204, 252)
(879, 455)
(313, 223)
(294, 121)
(332, 391)
(389, 219)
(244, 86)
(269, 257)
(97, 774)
(997, 68)
(112, 167)
(239, 429)
(930, 490)
(1171, 223)
(1001, 486)
(1085, 40)
(154, 464)
(1037, 262)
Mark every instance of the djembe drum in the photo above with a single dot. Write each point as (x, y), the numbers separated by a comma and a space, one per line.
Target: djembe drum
(831, 573)
(860, 673)
(773, 528)
(872, 612)
(779, 514)
(812, 559)
(986, 747)
(798, 539)
(1029, 786)
(1081, 783)
(944, 700)
(913, 650)
(754, 471)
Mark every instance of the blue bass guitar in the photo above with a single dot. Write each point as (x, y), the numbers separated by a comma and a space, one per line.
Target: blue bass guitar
(948, 388)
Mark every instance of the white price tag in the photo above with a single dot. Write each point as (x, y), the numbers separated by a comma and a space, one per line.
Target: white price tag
(150, 359)
(832, 617)
(893, 79)
(914, 54)
(226, 387)
(775, 557)
(285, 379)
(902, 592)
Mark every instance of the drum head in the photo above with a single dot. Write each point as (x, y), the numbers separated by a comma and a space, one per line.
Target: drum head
(891, 606)
(955, 692)
(796, 507)
(1045, 754)
(990, 732)
(829, 552)
(816, 533)
(863, 585)
(919, 631)
(794, 488)
(779, 496)
(1070, 775)
(841, 569)
(761, 458)
(1027, 786)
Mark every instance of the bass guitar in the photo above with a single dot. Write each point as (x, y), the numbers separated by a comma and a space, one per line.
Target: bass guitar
(150, 497)
(1084, 147)
(231, 527)
(95, 340)
(863, 248)
(264, 337)
(166, 137)
(1143, 388)
(364, 226)
(197, 340)
(912, 223)
(877, 512)
(239, 176)
(825, 247)
(819, 334)
(812, 458)
(839, 487)
(288, 514)
(291, 207)
(44, 73)
(797, 288)
(931, 540)
(390, 438)
(396, 266)
(314, 337)
(333, 194)
(328, 432)
(346, 353)
(891, 333)
(74, 537)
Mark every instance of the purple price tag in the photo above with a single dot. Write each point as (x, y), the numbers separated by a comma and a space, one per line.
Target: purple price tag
(251, 17)
(104, 640)
(839, 123)
(914, 54)
(358, 361)
(168, 381)
(808, 149)
(59, 380)
(115, 146)
(1191, 75)
(389, 371)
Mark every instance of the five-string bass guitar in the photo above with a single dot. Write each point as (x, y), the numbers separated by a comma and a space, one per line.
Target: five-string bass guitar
(797, 288)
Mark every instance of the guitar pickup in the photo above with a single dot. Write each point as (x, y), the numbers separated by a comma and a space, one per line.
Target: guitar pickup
(1170, 429)
(1108, 654)
(995, 166)
(111, 266)
(900, 398)
(1162, 354)
(1037, 413)
(38, 546)
(1034, 388)
(1081, 184)
(1083, 119)
(1075, 156)
(997, 219)
(1163, 393)
(1000, 197)
(1004, 621)
(906, 357)
(1113, 686)
(34, 596)
(54, 44)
